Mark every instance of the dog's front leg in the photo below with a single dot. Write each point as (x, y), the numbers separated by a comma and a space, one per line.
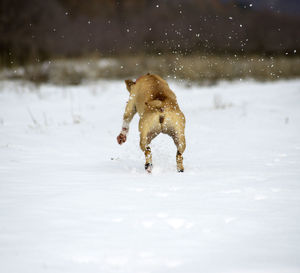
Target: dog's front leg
(128, 115)
(123, 135)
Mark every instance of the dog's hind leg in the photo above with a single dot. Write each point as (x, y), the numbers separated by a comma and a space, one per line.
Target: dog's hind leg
(144, 144)
(148, 156)
(148, 130)
(179, 162)
(174, 127)
(179, 140)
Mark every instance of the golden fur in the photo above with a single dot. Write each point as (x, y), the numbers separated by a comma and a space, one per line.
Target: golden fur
(156, 104)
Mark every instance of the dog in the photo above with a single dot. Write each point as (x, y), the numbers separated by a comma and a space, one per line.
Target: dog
(157, 106)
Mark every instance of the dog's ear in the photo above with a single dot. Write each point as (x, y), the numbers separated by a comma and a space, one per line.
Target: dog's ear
(129, 83)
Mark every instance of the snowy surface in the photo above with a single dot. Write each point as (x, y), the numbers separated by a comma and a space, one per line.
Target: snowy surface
(73, 200)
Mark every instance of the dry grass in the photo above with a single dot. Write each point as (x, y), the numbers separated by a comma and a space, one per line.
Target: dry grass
(201, 69)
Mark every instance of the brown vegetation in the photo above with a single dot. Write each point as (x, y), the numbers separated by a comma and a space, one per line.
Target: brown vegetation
(201, 69)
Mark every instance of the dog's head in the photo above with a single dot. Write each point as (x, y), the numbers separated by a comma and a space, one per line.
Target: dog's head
(129, 84)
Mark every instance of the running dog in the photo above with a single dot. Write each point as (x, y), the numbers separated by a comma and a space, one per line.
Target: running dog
(159, 112)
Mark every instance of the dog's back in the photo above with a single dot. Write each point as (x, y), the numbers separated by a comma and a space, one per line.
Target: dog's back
(152, 93)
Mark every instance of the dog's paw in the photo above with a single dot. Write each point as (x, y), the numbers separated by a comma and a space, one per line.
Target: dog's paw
(180, 170)
(148, 167)
(121, 138)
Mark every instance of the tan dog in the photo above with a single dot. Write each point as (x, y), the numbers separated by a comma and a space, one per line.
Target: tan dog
(159, 112)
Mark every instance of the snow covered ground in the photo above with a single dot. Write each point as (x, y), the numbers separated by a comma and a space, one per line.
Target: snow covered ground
(73, 200)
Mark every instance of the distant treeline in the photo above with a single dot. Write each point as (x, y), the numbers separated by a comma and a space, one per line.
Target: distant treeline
(35, 30)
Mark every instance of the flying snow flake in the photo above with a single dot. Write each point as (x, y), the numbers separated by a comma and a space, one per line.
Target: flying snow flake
(250, 5)
(241, 25)
(230, 18)
(157, 6)
(89, 22)
(127, 30)
(66, 13)
(295, 51)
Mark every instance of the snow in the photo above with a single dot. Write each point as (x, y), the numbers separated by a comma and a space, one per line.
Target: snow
(73, 200)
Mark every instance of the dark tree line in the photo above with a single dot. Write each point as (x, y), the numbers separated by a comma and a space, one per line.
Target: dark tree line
(34, 30)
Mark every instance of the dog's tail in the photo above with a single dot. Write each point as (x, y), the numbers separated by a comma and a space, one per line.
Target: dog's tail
(158, 106)
(155, 105)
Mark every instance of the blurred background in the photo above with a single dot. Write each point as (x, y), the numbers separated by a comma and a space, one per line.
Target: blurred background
(69, 41)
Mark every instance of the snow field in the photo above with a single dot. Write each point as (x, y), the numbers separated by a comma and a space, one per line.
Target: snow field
(73, 200)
